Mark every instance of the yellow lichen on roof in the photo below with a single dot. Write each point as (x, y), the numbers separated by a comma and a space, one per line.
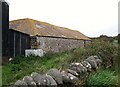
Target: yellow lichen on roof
(34, 27)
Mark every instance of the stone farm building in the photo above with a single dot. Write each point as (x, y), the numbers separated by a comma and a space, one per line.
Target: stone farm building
(19, 35)
(48, 37)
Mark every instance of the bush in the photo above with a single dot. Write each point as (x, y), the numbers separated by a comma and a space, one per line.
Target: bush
(105, 50)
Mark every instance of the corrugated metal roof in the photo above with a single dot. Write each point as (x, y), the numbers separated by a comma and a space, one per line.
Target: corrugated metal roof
(34, 27)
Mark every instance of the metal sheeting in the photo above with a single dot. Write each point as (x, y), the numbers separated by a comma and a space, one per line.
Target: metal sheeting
(17, 43)
(5, 26)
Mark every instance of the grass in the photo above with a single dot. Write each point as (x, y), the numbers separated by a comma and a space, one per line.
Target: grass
(0, 76)
(22, 66)
(103, 78)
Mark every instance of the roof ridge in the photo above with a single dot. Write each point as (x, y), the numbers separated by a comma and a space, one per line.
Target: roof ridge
(42, 22)
(21, 19)
(30, 19)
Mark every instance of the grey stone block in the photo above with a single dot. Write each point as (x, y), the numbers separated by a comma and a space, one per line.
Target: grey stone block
(69, 78)
(20, 83)
(93, 63)
(87, 65)
(39, 79)
(34, 74)
(56, 75)
(99, 62)
(51, 81)
(29, 81)
(79, 68)
(72, 72)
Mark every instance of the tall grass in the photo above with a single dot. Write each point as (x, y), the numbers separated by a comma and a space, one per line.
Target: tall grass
(104, 78)
(108, 75)
(22, 66)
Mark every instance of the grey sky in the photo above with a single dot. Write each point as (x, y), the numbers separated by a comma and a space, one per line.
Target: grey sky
(91, 17)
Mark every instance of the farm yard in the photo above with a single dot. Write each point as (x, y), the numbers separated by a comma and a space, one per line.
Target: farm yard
(105, 48)
(35, 53)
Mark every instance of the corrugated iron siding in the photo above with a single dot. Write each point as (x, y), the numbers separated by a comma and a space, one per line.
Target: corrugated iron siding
(17, 43)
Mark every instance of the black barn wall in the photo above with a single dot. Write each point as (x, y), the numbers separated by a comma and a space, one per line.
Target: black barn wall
(17, 43)
(13, 43)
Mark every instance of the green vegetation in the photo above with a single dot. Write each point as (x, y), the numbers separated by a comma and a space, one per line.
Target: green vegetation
(0, 76)
(103, 78)
(106, 50)
(22, 66)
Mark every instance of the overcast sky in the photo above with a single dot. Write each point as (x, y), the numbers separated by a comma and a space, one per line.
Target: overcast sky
(91, 17)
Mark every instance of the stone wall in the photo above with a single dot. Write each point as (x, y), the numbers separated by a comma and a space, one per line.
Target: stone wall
(87, 42)
(55, 44)
(75, 75)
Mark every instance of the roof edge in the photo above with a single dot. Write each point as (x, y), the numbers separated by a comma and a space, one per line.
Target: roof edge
(61, 37)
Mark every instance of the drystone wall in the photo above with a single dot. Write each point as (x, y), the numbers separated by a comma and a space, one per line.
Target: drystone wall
(55, 44)
(74, 76)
